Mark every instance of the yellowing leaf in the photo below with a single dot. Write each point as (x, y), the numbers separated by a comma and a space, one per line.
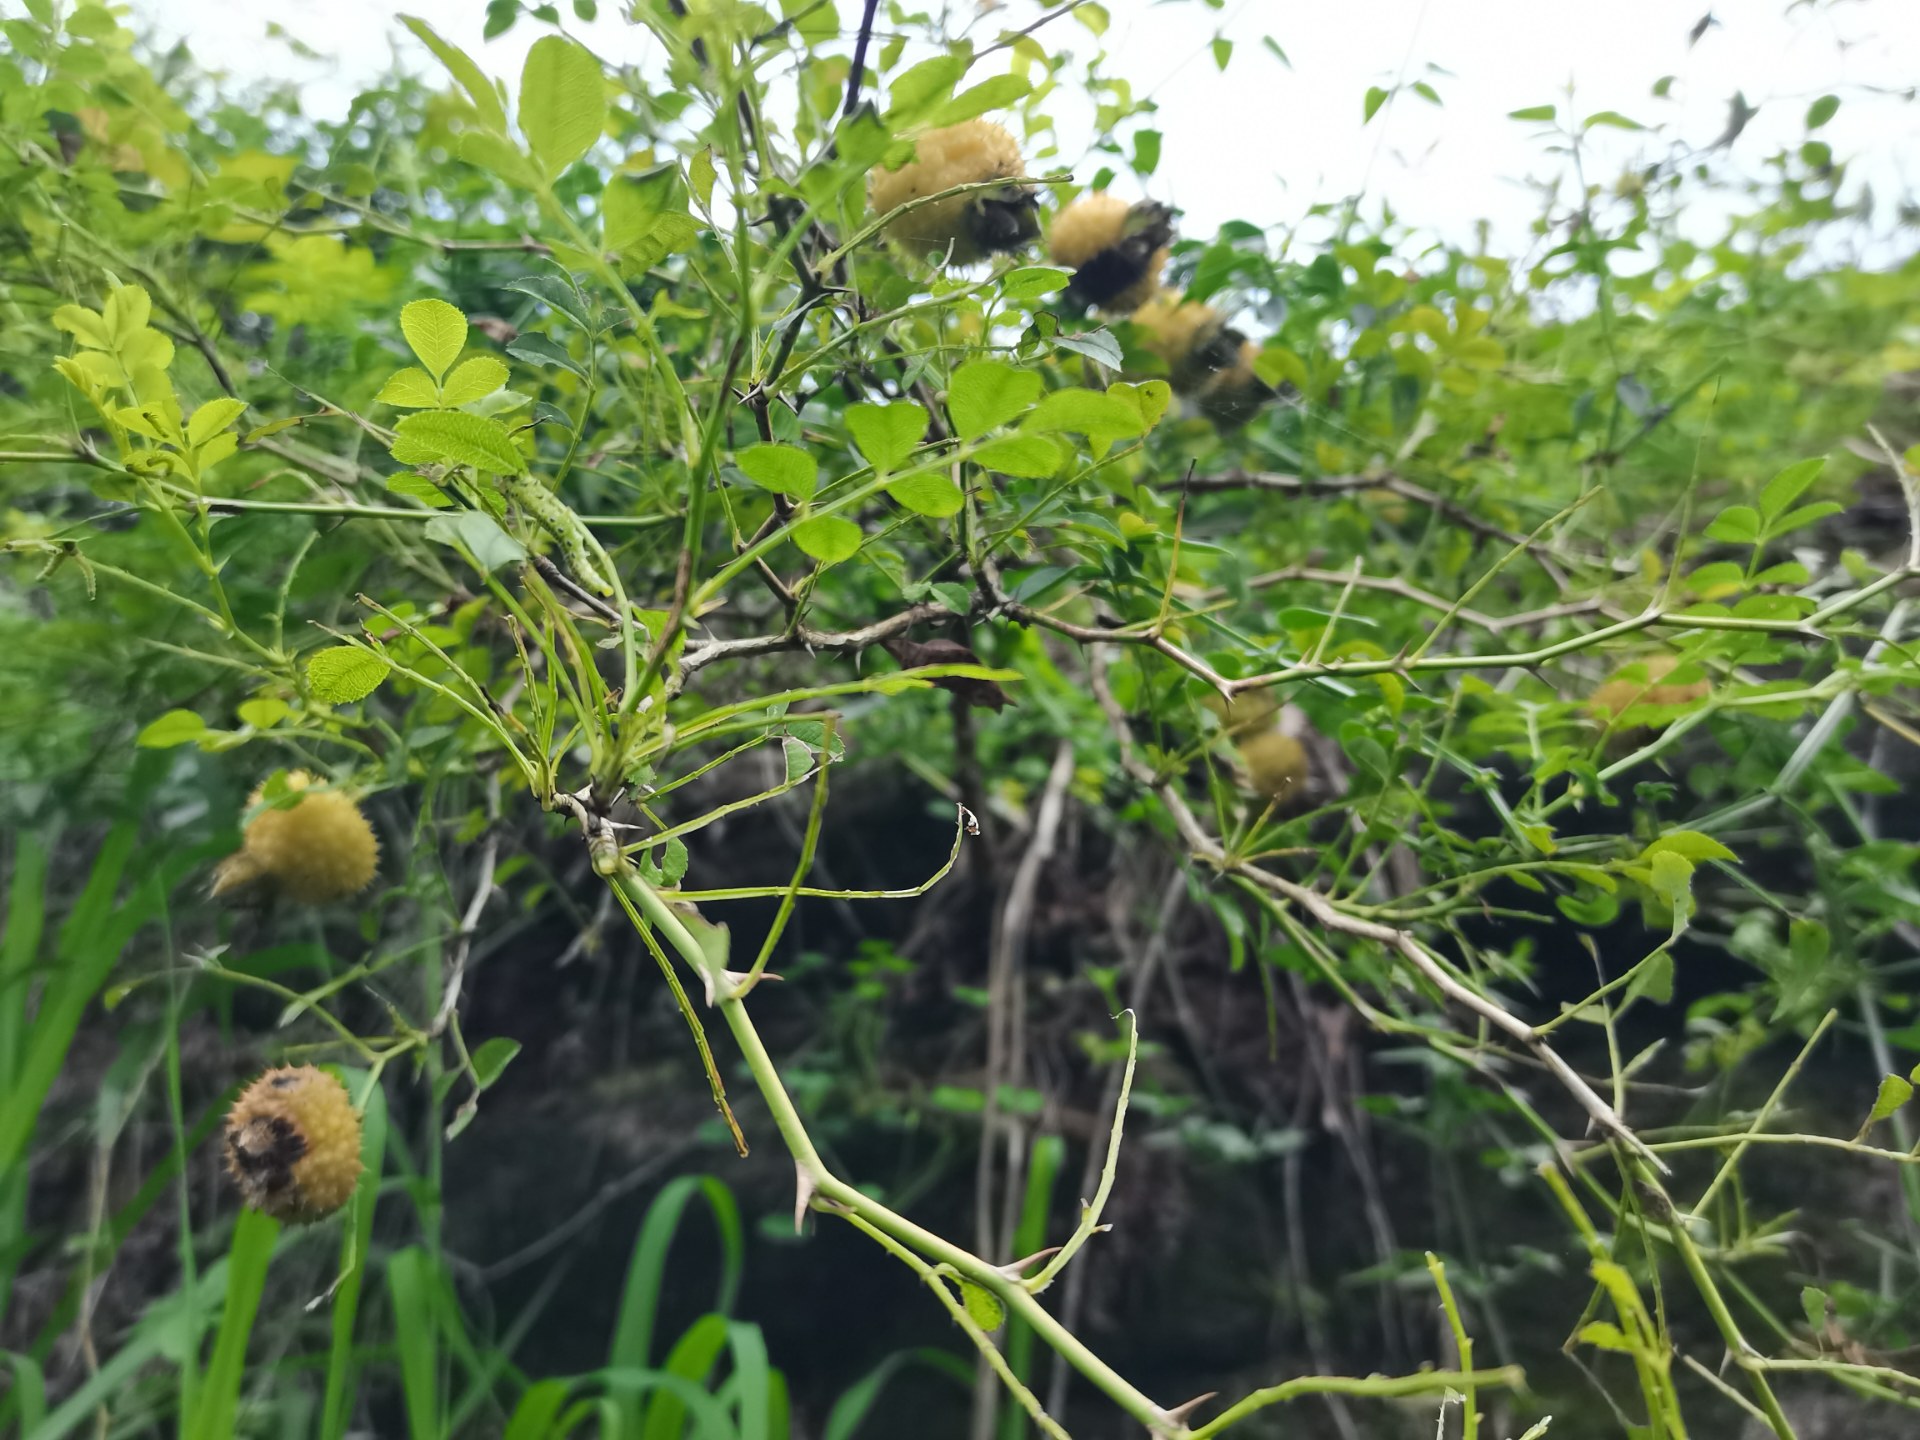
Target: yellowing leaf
(453, 437)
(213, 417)
(473, 379)
(176, 727)
(411, 388)
(436, 331)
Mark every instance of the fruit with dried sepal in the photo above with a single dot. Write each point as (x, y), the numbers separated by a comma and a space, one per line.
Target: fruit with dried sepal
(965, 227)
(317, 850)
(1115, 250)
(1207, 360)
(293, 1144)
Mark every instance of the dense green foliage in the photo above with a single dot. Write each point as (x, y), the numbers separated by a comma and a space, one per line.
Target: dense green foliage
(573, 474)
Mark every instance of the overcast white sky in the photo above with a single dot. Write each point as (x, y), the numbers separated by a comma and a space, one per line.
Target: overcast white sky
(1263, 141)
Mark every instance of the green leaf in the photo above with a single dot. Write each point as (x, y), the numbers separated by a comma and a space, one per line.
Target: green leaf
(917, 90)
(887, 434)
(263, 712)
(411, 388)
(486, 99)
(1894, 1092)
(986, 393)
(631, 205)
(1612, 119)
(1822, 110)
(701, 175)
(539, 350)
(84, 325)
(1533, 112)
(477, 532)
(420, 488)
(1029, 456)
(780, 468)
(491, 1057)
(1691, 844)
(430, 437)
(1804, 516)
(1654, 980)
(668, 235)
(1096, 345)
(563, 102)
(1788, 485)
(1736, 525)
(1376, 97)
(436, 331)
(176, 727)
(1031, 281)
(1148, 399)
(1146, 151)
(828, 538)
(929, 494)
(499, 157)
(1813, 1304)
(983, 1306)
(1671, 878)
(554, 293)
(1100, 416)
(1222, 51)
(473, 379)
(1604, 1335)
(342, 674)
(213, 417)
(1094, 16)
(994, 94)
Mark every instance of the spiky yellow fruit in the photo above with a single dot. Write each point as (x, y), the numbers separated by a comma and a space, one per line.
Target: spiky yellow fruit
(1277, 766)
(971, 226)
(1115, 250)
(1645, 683)
(317, 850)
(293, 1144)
(1249, 710)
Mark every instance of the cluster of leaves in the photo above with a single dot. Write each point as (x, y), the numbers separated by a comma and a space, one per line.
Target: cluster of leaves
(525, 458)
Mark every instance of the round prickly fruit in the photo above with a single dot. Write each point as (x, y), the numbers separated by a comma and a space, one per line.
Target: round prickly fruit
(293, 1144)
(1247, 711)
(1115, 250)
(1276, 766)
(316, 850)
(967, 227)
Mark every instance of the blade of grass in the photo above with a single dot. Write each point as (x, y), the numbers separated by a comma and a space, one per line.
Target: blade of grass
(857, 1399)
(692, 1359)
(409, 1275)
(26, 915)
(640, 1300)
(748, 1391)
(355, 1251)
(254, 1236)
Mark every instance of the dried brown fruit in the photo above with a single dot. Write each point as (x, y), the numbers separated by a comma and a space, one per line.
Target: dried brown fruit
(293, 1144)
